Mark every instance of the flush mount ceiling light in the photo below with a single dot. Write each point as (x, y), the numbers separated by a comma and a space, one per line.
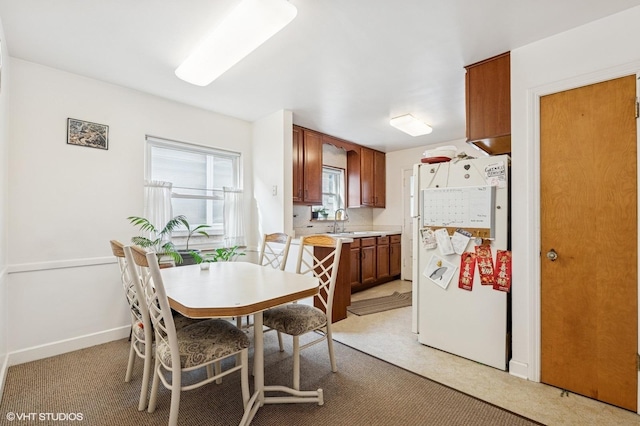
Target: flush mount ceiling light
(411, 125)
(249, 25)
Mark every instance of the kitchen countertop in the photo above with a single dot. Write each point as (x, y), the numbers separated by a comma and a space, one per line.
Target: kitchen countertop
(364, 234)
(348, 236)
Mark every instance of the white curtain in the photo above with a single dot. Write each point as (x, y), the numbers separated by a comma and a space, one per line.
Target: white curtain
(157, 203)
(233, 217)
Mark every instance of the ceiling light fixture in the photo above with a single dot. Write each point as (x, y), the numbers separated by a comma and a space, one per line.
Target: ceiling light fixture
(411, 125)
(249, 25)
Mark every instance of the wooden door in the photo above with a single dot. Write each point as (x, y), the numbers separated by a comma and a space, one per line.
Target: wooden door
(588, 218)
(355, 263)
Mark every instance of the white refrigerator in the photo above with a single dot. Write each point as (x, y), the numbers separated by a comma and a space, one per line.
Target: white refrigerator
(473, 196)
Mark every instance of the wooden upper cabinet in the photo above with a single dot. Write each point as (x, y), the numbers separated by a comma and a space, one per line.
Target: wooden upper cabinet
(307, 166)
(488, 104)
(372, 178)
(298, 166)
(366, 177)
(379, 179)
(366, 170)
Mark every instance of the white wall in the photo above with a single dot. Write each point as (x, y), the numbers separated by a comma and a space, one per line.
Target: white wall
(396, 162)
(4, 202)
(272, 150)
(66, 202)
(595, 52)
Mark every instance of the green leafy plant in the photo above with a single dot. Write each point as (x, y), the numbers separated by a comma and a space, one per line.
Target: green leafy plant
(159, 240)
(225, 254)
(190, 232)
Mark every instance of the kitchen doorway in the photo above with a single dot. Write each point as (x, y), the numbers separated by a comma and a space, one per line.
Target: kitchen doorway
(589, 241)
(407, 224)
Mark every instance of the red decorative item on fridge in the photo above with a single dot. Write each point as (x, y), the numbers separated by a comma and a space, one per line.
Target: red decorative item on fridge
(467, 270)
(485, 265)
(503, 271)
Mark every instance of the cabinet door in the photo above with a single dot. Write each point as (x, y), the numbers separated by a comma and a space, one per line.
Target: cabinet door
(368, 263)
(488, 95)
(379, 179)
(355, 266)
(395, 263)
(382, 254)
(312, 167)
(298, 165)
(367, 194)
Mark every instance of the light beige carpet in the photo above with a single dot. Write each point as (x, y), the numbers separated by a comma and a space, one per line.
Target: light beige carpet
(380, 304)
(364, 391)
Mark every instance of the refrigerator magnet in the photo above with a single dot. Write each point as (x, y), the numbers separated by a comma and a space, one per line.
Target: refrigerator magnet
(467, 270)
(503, 271)
(485, 265)
(439, 271)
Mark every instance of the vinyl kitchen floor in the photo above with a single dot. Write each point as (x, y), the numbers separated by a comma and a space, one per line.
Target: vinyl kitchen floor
(387, 335)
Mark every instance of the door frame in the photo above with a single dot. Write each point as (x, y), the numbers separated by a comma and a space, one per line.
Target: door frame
(534, 260)
(407, 242)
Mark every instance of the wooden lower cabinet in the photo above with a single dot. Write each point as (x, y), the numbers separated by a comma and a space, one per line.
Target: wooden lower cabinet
(382, 255)
(354, 263)
(368, 261)
(374, 260)
(395, 255)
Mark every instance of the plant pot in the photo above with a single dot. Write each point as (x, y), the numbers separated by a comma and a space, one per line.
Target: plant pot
(187, 257)
(314, 215)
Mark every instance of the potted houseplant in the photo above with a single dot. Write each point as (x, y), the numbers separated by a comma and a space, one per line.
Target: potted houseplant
(189, 257)
(159, 240)
(224, 254)
(318, 212)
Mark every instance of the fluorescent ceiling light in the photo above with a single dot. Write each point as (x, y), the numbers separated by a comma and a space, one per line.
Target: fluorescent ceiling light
(249, 25)
(411, 125)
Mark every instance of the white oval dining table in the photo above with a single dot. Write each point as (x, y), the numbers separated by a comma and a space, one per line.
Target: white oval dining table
(232, 289)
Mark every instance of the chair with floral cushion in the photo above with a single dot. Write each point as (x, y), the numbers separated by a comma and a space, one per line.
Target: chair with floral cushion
(141, 329)
(193, 347)
(319, 255)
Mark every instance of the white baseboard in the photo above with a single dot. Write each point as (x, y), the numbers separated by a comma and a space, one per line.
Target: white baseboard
(3, 373)
(519, 369)
(68, 345)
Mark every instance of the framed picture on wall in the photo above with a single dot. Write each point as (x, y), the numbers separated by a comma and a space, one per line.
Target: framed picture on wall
(86, 133)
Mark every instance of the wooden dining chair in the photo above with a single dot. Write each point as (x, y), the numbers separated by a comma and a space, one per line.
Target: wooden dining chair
(141, 330)
(319, 255)
(197, 346)
(274, 252)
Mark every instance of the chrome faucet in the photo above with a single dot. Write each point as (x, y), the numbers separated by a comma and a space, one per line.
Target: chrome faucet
(343, 217)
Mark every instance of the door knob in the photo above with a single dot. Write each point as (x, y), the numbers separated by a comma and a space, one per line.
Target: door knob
(552, 255)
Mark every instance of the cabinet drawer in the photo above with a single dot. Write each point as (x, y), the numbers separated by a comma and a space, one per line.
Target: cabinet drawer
(366, 242)
(383, 241)
(355, 243)
(396, 239)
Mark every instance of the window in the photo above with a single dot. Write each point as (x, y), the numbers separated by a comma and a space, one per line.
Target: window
(332, 189)
(198, 175)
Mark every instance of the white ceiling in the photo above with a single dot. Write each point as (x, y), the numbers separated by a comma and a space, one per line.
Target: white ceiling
(344, 67)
